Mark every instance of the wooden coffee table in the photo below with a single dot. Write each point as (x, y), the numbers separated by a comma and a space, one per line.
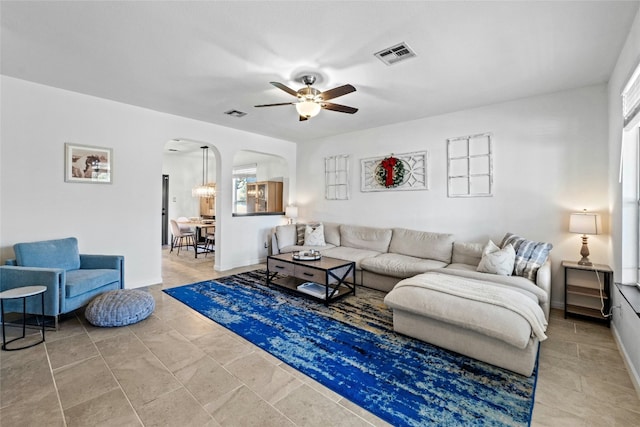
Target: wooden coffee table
(332, 274)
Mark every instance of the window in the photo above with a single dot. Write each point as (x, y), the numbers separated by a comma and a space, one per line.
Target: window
(630, 179)
(241, 175)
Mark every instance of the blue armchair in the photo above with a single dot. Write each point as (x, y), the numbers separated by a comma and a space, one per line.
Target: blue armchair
(72, 279)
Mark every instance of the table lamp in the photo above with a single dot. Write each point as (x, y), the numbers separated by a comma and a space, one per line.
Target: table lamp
(585, 223)
(291, 212)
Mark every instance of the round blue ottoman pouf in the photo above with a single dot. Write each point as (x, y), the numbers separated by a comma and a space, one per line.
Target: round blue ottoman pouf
(120, 308)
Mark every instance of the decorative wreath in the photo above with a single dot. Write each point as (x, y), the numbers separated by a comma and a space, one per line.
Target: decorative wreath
(390, 172)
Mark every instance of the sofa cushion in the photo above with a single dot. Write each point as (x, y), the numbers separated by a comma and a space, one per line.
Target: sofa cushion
(332, 233)
(398, 265)
(497, 261)
(59, 253)
(371, 238)
(286, 235)
(466, 253)
(460, 266)
(422, 244)
(350, 254)
(314, 235)
(79, 282)
(530, 255)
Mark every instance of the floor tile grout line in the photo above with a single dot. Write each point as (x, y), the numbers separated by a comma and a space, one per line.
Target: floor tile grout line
(113, 375)
(55, 385)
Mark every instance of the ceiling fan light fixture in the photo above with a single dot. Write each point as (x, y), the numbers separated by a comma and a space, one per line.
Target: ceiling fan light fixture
(308, 108)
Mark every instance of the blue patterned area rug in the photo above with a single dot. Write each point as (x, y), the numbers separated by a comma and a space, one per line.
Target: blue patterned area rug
(350, 347)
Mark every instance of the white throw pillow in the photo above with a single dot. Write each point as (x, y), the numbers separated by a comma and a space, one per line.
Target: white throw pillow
(286, 235)
(497, 261)
(314, 235)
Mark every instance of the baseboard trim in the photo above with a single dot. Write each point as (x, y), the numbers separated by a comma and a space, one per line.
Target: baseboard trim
(635, 378)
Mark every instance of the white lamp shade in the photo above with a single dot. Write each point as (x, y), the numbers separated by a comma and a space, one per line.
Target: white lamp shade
(308, 109)
(585, 223)
(291, 212)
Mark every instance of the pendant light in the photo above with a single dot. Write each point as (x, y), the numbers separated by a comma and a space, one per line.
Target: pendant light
(204, 190)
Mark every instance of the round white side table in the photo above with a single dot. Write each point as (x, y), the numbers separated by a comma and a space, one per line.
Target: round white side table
(24, 293)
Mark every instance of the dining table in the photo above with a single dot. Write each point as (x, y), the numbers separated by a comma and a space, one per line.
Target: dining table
(199, 226)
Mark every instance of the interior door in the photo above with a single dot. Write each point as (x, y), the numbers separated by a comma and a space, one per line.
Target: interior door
(165, 209)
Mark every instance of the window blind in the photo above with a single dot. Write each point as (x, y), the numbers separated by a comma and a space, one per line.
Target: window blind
(631, 97)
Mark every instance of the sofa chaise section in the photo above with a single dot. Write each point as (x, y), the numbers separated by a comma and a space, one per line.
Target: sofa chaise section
(477, 329)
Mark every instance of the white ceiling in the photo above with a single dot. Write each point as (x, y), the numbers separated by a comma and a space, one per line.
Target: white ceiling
(199, 59)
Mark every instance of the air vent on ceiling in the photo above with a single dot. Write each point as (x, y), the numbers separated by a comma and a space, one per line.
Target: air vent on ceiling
(235, 113)
(395, 54)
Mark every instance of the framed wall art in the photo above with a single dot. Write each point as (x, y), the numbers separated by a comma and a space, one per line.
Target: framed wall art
(407, 171)
(470, 166)
(88, 164)
(336, 177)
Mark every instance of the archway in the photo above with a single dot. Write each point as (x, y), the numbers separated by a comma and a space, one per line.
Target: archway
(187, 164)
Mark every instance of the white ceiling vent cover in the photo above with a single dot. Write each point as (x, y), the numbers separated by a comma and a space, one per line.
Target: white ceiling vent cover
(396, 53)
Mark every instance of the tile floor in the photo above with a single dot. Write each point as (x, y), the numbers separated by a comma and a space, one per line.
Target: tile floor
(178, 368)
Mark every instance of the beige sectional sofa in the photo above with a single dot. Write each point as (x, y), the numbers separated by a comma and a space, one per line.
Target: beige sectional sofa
(413, 267)
(383, 256)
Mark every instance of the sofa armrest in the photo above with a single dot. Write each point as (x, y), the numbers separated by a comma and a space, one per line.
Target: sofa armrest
(14, 277)
(113, 262)
(543, 280)
(275, 249)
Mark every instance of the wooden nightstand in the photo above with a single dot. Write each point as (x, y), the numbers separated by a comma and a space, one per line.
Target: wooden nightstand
(585, 288)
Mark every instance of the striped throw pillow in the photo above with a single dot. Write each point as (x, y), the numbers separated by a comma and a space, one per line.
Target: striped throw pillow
(530, 255)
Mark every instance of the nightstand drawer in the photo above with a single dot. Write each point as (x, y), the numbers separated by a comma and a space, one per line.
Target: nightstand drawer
(310, 274)
(276, 266)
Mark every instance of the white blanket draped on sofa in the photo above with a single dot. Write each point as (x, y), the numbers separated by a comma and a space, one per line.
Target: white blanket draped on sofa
(524, 306)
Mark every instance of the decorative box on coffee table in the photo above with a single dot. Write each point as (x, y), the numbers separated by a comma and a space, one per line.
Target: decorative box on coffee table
(335, 276)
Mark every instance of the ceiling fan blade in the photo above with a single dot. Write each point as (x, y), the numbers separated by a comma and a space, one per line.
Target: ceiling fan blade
(303, 118)
(285, 88)
(336, 92)
(338, 107)
(274, 105)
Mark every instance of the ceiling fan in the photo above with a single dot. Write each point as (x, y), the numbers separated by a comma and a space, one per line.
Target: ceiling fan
(311, 100)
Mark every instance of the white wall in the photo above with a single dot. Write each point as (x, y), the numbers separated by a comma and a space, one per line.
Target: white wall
(185, 172)
(124, 217)
(626, 325)
(550, 159)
